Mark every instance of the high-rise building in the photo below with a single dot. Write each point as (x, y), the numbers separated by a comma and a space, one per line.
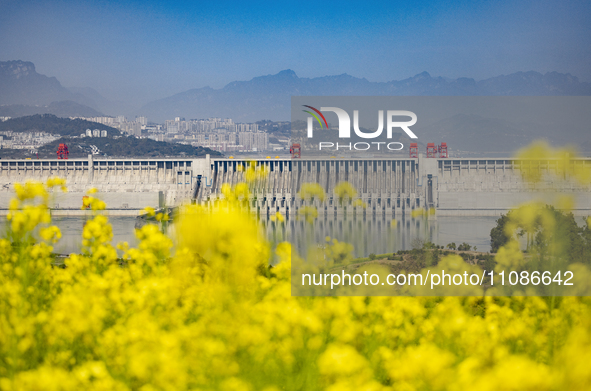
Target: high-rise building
(172, 127)
(261, 141)
(251, 141)
(88, 133)
(247, 127)
(133, 128)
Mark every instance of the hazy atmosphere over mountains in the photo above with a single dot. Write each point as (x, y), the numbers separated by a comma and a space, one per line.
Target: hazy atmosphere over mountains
(268, 97)
(23, 91)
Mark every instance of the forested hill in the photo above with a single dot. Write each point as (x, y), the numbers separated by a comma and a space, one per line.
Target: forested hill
(124, 147)
(49, 123)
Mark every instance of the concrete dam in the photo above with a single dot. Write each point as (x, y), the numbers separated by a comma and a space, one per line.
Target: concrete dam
(389, 186)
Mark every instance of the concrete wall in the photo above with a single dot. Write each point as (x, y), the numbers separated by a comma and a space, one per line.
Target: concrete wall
(490, 187)
(387, 186)
(124, 184)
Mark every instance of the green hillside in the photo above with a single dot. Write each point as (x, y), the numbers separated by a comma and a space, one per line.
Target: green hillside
(124, 147)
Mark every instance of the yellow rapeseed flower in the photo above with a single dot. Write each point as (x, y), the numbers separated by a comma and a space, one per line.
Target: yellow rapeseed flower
(211, 308)
(312, 191)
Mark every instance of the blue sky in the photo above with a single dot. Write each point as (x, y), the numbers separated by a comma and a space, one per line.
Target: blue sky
(143, 50)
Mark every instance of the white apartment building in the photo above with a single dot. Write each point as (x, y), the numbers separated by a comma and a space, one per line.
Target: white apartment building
(251, 141)
(142, 121)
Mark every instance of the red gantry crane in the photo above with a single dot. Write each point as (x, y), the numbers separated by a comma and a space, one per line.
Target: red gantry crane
(443, 150)
(295, 151)
(414, 150)
(62, 151)
(431, 150)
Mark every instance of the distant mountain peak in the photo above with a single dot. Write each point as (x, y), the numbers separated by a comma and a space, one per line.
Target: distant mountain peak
(23, 91)
(422, 75)
(287, 73)
(20, 84)
(17, 68)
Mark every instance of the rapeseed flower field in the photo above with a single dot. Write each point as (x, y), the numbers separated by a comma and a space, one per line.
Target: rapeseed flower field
(210, 314)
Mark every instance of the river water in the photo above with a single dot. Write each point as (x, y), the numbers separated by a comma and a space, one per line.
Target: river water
(379, 236)
(367, 234)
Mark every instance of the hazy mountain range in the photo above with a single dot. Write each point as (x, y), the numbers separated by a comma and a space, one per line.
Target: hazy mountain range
(268, 97)
(62, 108)
(263, 97)
(25, 92)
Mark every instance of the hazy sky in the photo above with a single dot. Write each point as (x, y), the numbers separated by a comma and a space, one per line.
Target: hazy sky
(143, 50)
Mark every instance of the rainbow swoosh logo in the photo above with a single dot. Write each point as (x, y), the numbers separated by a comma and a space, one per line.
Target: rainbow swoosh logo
(316, 116)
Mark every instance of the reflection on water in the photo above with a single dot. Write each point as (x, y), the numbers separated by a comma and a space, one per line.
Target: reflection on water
(368, 234)
(71, 227)
(377, 235)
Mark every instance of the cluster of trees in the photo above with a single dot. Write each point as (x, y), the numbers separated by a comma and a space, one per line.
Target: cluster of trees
(462, 247)
(125, 147)
(573, 241)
